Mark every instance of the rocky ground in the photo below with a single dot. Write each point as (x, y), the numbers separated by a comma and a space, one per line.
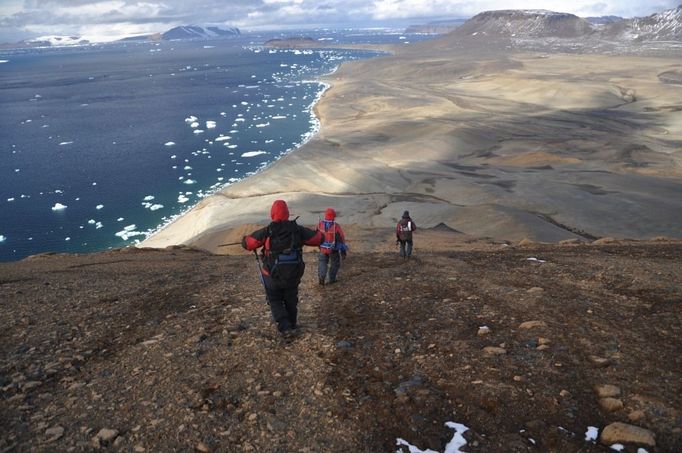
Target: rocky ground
(141, 350)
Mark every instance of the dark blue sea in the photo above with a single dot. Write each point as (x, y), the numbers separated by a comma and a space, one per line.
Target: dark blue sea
(101, 145)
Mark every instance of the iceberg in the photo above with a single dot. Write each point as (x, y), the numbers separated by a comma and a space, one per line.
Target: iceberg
(59, 207)
(99, 206)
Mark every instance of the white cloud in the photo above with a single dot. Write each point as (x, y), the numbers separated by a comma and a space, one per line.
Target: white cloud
(97, 18)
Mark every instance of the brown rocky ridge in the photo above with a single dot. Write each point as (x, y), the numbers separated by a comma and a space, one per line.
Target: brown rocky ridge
(161, 350)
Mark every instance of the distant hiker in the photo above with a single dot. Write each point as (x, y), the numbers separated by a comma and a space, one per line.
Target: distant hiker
(403, 232)
(283, 265)
(333, 247)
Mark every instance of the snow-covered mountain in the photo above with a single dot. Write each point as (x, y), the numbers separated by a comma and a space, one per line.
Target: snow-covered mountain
(664, 26)
(603, 20)
(526, 24)
(56, 41)
(196, 32)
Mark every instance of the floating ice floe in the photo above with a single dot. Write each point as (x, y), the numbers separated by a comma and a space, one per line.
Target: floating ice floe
(187, 167)
(231, 146)
(279, 117)
(263, 124)
(155, 207)
(222, 138)
(98, 225)
(65, 143)
(591, 434)
(198, 131)
(128, 232)
(244, 103)
(120, 219)
(194, 124)
(67, 238)
(59, 207)
(253, 153)
(210, 124)
(182, 199)
(174, 156)
(10, 199)
(3, 238)
(4, 61)
(189, 181)
(91, 221)
(169, 143)
(191, 119)
(99, 206)
(148, 198)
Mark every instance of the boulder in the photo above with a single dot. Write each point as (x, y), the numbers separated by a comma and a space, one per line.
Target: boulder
(627, 434)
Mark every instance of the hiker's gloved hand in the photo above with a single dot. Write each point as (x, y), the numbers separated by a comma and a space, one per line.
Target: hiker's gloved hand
(244, 242)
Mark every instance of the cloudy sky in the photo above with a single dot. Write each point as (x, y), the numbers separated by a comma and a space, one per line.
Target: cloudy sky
(98, 19)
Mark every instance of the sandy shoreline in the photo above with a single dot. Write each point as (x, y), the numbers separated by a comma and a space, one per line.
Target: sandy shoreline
(486, 142)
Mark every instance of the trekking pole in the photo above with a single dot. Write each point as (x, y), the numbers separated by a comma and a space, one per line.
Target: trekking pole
(229, 244)
(260, 269)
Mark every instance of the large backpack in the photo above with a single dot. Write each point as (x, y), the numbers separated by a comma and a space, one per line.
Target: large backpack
(405, 229)
(284, 253)
(331, 236)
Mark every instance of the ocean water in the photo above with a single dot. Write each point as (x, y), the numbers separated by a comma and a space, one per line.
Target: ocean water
(102, 145)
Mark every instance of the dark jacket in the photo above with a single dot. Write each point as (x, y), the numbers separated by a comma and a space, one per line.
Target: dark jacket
(404, 229)
(280, 235)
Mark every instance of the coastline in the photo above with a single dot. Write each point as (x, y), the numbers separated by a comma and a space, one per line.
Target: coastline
(479, 140)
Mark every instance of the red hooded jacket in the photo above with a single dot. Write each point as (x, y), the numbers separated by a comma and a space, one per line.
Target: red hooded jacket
(332, 231)
(279, 213)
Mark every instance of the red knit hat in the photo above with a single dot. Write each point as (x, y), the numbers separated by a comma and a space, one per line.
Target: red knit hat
(329, 214)
(279, 211)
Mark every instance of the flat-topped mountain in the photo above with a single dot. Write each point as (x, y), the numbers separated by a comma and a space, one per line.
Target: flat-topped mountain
(436, 27)
(526, 23)
(188, 32)
(196, 32)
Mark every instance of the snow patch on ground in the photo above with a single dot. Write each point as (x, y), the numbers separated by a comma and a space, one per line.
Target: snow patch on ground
(453, 446)
(591, 434)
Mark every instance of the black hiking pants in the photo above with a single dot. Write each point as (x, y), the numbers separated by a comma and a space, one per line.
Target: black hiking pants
(283, 302)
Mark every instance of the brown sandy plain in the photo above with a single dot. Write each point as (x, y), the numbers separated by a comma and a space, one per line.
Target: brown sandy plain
(490, 141)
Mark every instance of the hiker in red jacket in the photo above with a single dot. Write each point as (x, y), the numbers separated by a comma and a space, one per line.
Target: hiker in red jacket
(403, 232)
(283, 265)
(333, 247)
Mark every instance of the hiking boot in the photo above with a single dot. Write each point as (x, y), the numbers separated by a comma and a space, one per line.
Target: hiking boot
(321, 281)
